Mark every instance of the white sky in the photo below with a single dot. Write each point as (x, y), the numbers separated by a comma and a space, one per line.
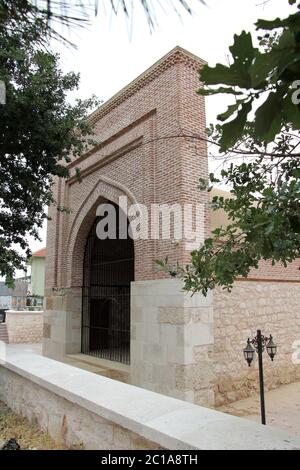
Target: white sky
(112, 52)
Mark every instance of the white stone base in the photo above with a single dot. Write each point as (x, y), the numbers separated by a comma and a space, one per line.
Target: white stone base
(171, 339)
(78, 407)
(62, 324)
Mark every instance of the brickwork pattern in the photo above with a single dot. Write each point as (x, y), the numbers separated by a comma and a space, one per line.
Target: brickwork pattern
(139, 153)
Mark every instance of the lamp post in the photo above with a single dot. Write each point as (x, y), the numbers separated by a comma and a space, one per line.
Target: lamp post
(259, 344)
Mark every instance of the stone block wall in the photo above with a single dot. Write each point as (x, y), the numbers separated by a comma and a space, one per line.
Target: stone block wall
(172, 341)
(66, 422)
(273, 307)
(24, 327)
(79, 408)
(62, 322)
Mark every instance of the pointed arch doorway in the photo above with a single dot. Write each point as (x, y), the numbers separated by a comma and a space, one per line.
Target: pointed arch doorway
(108, 270)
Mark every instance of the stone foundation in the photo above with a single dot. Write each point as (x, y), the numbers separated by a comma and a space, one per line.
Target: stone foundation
(172, 341)
(66, 422)
(191, 348)
(79, 408)
(62, 323)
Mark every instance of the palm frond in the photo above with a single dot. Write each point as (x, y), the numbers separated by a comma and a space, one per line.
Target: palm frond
(72, 13)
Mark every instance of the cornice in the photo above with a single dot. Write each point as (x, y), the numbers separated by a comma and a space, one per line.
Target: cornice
(176, 55)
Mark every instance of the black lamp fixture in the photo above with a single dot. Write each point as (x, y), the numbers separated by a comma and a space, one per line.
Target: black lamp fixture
(260, 342)
(249, 352)
(271, 348)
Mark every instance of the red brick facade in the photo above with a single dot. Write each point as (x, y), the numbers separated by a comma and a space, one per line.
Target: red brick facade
(179, 345)
(140, 155)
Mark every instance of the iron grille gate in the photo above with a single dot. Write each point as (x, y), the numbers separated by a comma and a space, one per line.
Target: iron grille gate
(107, 272)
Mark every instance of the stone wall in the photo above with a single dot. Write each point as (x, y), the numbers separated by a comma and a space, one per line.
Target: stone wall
(24, 327)
(62, 322)
(273, 307)
(192, 347)
(171, 340)
(77, 407)
(66, 422)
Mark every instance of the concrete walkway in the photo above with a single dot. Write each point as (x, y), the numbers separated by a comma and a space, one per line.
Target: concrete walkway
(282, 408)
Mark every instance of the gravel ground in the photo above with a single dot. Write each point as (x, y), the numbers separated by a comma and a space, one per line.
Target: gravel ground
(28, 436)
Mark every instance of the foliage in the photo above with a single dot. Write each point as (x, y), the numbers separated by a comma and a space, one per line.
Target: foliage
(263, 207)
(38, 129)
(75, 13)
(255, 72)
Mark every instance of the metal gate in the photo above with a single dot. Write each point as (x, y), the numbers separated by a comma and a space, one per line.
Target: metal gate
(107, 272)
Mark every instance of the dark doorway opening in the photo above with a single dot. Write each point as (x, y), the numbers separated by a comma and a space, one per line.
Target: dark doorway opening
(107, 272)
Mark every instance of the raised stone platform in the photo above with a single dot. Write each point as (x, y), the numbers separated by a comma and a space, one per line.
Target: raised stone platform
(75, 406)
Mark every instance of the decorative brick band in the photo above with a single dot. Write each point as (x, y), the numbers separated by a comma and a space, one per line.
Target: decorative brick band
(262, 279)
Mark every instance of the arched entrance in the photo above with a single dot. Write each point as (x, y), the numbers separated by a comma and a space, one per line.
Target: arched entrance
(107, 272)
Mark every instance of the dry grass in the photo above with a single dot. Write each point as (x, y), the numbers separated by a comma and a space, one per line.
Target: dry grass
(29, 436)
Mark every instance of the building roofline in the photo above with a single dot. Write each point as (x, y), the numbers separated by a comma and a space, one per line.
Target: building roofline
(178, 54)
(41, 253)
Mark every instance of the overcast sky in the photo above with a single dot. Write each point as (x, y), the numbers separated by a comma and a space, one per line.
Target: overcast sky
(113, 51)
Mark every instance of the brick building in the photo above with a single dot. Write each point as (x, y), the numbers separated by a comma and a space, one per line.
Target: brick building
(187, 347)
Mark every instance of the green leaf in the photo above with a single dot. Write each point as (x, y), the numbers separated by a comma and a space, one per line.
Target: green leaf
(266, 248)
(78, 174)
(268, 118)
(292, 22)
(295, 223)
(277, 60)
(242, 51)
(261, 68)
(203, 184)
(268, 192)
(236, 74)
(286, 41)
(296, 172)
(225, 75)
(160, 263)
(291, 112)
(269, 228)
(230, 110)
(211, 91)
(232, 130)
